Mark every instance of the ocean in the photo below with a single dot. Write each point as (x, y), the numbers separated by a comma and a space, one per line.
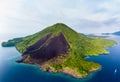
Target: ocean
(11, 71)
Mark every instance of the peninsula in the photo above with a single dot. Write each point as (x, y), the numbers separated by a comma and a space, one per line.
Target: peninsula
(58, 48)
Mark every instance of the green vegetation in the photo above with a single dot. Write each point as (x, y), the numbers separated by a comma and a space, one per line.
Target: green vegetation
(12, 42)
(80, 47)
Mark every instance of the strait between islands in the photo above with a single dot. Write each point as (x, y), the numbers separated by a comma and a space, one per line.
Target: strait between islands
(58, 48)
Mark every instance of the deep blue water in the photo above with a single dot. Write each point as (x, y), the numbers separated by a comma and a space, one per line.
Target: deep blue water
(10, 71)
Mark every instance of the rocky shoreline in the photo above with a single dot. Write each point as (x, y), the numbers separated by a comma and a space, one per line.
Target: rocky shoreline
(68, 71)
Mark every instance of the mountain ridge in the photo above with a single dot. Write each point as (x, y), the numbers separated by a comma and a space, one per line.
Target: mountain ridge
(58, 48)
(116, 33)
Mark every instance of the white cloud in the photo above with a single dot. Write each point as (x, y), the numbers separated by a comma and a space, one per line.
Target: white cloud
(82, 15)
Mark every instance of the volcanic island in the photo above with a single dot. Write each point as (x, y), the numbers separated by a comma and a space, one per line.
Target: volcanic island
(58, 48)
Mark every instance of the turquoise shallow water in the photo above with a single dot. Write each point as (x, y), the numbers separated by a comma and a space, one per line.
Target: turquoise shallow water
(10, 71)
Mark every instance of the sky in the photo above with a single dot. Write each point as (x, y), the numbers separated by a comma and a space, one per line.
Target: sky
(84, 16)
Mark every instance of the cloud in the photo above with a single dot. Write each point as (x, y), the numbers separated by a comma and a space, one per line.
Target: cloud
(83, 15)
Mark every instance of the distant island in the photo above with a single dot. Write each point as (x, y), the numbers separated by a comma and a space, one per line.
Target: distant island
(114, 33)
(117, 33)
(97, 36)
(58, 48)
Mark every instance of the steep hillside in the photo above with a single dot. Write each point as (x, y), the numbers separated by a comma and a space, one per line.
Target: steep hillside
(58, 48)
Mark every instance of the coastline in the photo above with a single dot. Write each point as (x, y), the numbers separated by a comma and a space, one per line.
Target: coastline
(68, 71)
